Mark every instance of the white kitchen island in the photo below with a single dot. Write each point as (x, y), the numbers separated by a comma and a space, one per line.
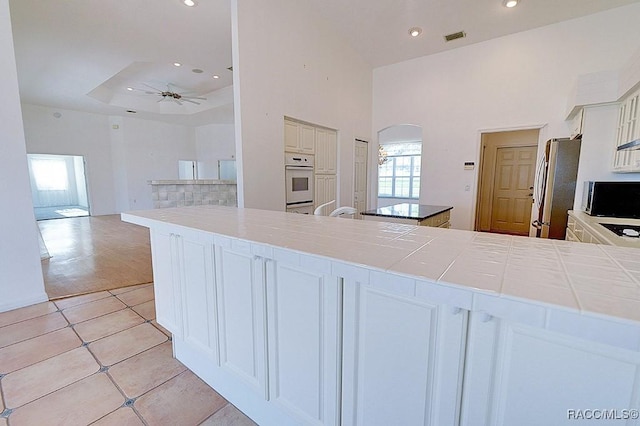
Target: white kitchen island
(314, 320)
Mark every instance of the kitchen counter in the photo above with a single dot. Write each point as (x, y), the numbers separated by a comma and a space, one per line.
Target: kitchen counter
(300, 319)
(410, 213)
(603, 235)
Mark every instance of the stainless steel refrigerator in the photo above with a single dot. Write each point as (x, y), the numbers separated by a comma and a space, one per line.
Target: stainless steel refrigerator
(555, 187)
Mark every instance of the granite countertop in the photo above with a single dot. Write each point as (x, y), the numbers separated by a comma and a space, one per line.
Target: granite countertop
(605, 235)
(408, 211)
(537, 275)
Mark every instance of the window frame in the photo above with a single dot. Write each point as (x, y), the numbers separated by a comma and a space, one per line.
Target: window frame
(411, 177)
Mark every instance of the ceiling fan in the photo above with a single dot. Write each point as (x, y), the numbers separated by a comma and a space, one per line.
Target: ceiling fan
(171, 94)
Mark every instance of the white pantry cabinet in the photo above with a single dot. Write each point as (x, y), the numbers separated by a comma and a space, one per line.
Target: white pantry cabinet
(299, 137)
(628, 129)
(326, 151)
(403, 359)
(304, 343)
(325, 191)
(516, 374)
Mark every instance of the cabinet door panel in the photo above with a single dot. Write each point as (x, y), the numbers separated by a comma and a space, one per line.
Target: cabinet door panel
(240, 302)
(307, 139)
(321, 151)
(166, 277)
(291, 137)
(198, 294)
(403, 360)
(522, 375)
(303, 343)
(332, 153)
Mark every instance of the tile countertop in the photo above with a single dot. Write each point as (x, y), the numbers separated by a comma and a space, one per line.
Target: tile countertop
(408, 211)
(192, 182)
(562, 277)
(605, 235)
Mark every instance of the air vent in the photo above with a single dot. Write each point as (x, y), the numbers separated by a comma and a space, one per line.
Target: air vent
(230, 68)
(454, 36)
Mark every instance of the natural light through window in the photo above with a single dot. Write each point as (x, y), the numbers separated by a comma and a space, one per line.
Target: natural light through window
(50, 174)
(399, 176)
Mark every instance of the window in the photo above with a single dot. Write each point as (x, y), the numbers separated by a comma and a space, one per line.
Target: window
(50, 174)
(399, 175)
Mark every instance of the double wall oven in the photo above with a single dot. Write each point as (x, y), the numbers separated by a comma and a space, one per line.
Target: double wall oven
(298, 172)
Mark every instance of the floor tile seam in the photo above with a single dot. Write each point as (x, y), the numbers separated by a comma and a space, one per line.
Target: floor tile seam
(126, 398)
(53, 391)
(38, 335)
(79, 295)
(88, 342)
(131, 356)
(3, 375)
(28, 319)
(98, 316)
(219, 409)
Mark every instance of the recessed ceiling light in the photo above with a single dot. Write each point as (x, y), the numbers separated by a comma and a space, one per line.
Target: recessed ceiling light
(216, 76)
(510, 3)
(130, 89)
(415, 31)
(177, 64)
(189, 3)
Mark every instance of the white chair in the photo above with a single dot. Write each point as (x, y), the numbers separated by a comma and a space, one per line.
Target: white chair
(318, 210)
(343, 210)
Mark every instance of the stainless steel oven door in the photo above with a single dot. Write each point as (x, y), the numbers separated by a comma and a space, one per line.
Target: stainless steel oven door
(299, 184)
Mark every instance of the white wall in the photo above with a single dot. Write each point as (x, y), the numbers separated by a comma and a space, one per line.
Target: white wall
(21, 280)
(121, 153)
(151, 151)
(214, 142)
(518, 81)
(287, 62)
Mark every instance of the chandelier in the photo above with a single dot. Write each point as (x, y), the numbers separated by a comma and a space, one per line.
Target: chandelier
(382, 156)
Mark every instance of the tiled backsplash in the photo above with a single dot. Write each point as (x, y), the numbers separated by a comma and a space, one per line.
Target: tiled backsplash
(181, 193)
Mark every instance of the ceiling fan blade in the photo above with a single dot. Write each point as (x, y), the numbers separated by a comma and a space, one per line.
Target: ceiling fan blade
(193, 97)
(177, 101)
(189, 100)
(150, 87)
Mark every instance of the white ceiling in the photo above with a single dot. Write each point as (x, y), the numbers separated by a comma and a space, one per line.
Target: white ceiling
(67, 49)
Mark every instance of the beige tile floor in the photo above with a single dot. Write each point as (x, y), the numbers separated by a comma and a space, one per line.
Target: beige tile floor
(100, 359)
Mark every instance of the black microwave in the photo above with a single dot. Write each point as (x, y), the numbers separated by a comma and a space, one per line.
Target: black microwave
(613, 199)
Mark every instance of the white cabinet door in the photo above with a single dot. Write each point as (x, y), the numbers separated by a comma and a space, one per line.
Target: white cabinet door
(241, 314)
(166, 254)
(325, 191)
(304, 343)
(198, 293)
(307, 139)
(291, 136)
(402, 359)
(326, 151)
(521, 375)
(628, 129)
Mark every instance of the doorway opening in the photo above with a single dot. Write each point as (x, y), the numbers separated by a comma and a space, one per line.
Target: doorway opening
(505, 187)
(58, 186)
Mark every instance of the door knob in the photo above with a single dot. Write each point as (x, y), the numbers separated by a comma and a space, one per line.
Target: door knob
(531, 195)
(531, 187)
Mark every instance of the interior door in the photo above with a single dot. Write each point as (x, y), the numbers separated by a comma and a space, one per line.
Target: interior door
(513, 180)
(360, 178)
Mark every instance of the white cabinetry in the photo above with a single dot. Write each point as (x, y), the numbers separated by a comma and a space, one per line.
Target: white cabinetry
(516, 374)
(402, 358)
(299, 137)
(241, 311)
(325, 191)
(167, 270)
(304, 343)
(628, 129)
(326, 151)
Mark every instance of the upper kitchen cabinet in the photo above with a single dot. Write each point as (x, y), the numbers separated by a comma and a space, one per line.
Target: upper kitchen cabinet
(326, 151)
(627, 130)
(299, 137)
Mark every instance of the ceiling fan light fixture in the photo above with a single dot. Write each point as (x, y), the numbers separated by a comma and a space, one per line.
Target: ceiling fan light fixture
(510, 3)
(415, 31)
(189, 3)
